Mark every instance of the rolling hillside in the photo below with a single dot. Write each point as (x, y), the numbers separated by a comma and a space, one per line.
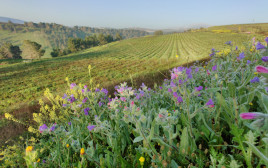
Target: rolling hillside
(23, 83)
(51, 35)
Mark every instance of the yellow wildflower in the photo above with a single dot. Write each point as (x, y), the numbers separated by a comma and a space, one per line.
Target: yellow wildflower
(38, 160)
(250, 104)
(67, 145)
(29, 149)
(67, 79)
(177, 56)
(142, 159)
(255, 73)
(82, 151)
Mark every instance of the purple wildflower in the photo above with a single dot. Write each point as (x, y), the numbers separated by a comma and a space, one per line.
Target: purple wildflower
(64, 105)
(189, 76)
(91, 127)
(259, 46)
(255, 80)
(97, 90)
(65, 95)
(43, 128)
(266, 89)
(179, 99)
(266, 39)
(248, 62)
(241, 56)
(72, 85)
(44, 161)
(105, 91)
(236, 48)
(229, 43)
(69, 123)
(84, 100)
(212, 54)
(123, 99)
(210, 103)
(175, 94)
(100, 103)
(143, 85)
(172, 84)
(249, 116)
(160, 87)
(72, 99)
(86, 110)
(53, 127)
(199, 88)
(85, 87)
(196, 69)
(169, 90)
(214, 68)
(265, 58)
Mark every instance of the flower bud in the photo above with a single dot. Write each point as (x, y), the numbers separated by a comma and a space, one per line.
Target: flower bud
(206, 151)
(169, 153)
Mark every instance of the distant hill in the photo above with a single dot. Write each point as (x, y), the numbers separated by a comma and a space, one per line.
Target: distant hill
(52, 35)
(6, 19)
(254, 28)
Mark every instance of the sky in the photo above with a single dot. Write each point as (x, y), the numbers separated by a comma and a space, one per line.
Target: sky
(154, 14)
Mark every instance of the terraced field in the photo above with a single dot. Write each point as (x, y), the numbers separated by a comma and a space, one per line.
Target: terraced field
(24, 83)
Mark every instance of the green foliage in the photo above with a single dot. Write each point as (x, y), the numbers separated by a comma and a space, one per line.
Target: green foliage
(158, 32)
(32, 50)
(9, 51)
(177, 124)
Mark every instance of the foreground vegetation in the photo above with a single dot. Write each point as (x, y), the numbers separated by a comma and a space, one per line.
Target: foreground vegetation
(204, 116)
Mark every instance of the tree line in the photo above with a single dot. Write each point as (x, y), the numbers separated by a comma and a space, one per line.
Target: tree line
(77, 44)
(33, 50)
(58, 34)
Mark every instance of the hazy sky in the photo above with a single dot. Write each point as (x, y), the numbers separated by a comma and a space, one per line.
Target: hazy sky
(137, 13)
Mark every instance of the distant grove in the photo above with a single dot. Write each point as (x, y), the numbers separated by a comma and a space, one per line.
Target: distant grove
(59, 34)
(63, 39)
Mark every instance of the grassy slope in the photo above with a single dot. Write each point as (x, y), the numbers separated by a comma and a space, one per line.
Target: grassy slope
(18, 38)
(22, 83)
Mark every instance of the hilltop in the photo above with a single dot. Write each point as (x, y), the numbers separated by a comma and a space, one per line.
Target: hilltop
(7, 19)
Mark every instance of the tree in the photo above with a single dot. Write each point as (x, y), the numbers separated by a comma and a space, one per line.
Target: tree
(118, 37)
(74, 44)
(8, 51)
(158, 32)
(55, 52)
(109, 38)
(32, 50)
(102, 40)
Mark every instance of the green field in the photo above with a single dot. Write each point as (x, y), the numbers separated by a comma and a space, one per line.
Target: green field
(24, 83)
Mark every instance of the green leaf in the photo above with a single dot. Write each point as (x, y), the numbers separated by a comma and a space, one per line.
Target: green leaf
(174, 164)
(257, 152)
(232, 89)
(138, 139)
(184, 140)
(264, 100)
